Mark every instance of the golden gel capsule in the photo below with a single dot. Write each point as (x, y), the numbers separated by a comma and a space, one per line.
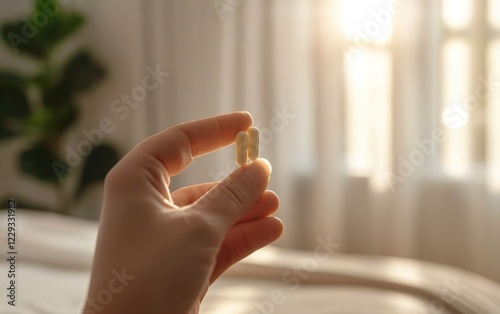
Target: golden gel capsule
(253, 143)
(241, 148)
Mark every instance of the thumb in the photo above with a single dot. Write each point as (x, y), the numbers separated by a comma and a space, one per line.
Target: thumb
(231, 198)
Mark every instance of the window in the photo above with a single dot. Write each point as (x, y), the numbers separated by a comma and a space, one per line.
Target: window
(456, 83)
(469, 106)
(469, 69)
(367, 26)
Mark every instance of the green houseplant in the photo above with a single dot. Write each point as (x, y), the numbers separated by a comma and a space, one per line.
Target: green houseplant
(40, 107)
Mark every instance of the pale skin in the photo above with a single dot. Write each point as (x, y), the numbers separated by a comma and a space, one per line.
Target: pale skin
(174, 245)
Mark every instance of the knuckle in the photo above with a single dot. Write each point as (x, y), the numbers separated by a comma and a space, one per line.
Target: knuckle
(204, 226)
(237, 194)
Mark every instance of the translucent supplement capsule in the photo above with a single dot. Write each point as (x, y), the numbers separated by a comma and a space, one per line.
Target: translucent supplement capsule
(253, 143)
(241, 148)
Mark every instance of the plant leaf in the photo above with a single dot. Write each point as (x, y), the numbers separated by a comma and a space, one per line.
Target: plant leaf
(64, 117)
(21, 37)
(57, 96)
(12, 80)
(59, 108)
(70, 24)
(81, 72)
(96, 166)
(14, 105)
(49, 120)
(59, 28)
(39, 162)
(41, 79)
(40, 33)
(59, 25)
(49, 7)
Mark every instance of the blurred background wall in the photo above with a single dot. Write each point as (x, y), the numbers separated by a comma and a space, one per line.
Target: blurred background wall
(380, 117)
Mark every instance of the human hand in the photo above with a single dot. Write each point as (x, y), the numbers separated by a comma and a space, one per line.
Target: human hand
(157, 251)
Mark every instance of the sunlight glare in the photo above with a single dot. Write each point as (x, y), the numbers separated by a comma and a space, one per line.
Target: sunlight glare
(494, 13)
(367, 20)
(456, 89)
(457, 14)
(233, 300)
(368, 114)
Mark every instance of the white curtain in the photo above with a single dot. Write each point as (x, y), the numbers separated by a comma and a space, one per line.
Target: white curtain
(285, 62)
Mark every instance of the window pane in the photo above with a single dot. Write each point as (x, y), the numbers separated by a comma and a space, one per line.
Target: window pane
(493, 125)
(494, 13)
(457, 13)
(368, 21)
(456, 89)
(368, 114)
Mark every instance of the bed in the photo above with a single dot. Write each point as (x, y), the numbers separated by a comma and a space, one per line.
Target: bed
(54, 255)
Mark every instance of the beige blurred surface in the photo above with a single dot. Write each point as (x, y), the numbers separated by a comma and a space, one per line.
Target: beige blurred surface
(53, 270)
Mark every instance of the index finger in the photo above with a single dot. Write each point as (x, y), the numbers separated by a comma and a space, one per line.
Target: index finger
(177, 146)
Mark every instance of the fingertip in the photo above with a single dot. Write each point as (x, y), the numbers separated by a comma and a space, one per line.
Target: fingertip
(273, 201)
(264, 164)
(247, 113)
(274, 197)
(248, 117)
(278, 221)
(277, 225)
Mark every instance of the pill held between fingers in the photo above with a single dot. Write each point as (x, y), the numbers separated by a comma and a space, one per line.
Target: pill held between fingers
(241, 148)
(253, 143)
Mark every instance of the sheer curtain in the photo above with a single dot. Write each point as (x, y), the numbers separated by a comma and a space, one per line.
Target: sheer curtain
(351, 114)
